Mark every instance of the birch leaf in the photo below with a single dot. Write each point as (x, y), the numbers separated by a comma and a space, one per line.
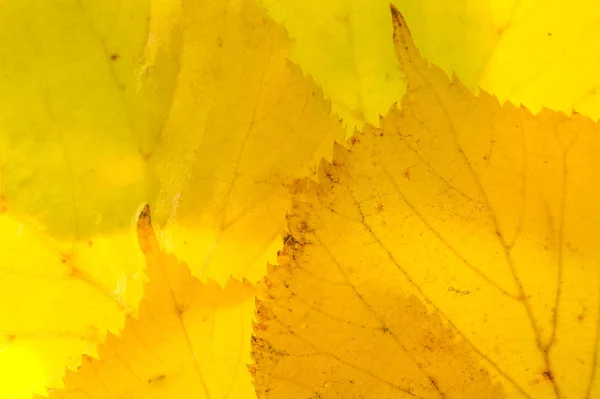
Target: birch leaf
(190, 340)
(107, 105)
(537, 54)
(452, 252)
(346, 48)
(71, 177)
(526, 51)
(244, 123)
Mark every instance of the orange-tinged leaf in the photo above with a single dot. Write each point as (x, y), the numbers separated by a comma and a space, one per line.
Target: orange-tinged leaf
(244, 123)
(191, 340)
(458, 227)
(407, 353)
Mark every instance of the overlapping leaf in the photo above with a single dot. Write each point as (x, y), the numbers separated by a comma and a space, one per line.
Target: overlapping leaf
(191, 339)
(89, 89)
(540, 54)
(527, 51)
(243, 124)
(346, 48)
(472, 222)
(457, 240)
(71, 177)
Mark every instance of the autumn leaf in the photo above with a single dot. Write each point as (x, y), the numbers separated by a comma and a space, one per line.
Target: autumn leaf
(191, 339)
(449, 253)
(68, 131)
(244, 123)
(474, 222)
(108, 105)
(537, 54)
(530, 52)
(346, 48)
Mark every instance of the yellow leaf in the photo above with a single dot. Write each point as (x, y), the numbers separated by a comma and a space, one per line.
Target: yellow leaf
(346, 48)
(530, 52)
(191, 339)
(71, 177)
(55, 303)
(88, 89)
(457, 240)
(243, 124)
(407, 353)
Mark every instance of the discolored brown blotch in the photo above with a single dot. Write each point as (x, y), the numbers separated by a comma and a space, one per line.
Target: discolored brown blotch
(298, 186)
(156, 378)
(548, 375)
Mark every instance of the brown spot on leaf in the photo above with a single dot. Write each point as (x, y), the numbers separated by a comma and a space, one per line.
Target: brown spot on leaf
(298, 186)
(156, 378)
(304, 228)
(548, 375)
(459, 291)
(114, 57)
(289, 239)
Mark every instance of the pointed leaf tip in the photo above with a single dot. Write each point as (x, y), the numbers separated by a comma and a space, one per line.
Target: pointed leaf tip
(144, 217)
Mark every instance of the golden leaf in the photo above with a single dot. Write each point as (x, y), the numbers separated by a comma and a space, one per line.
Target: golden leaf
(88, 90)
(449, 251)
(71, 177)
(530, 52)
(537, 54)
(346, 48)
(191, 339)
(243, 124)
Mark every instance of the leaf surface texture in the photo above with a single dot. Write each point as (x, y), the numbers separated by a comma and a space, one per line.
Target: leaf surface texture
(190, 106)
(530, 52)
(190, 340)
(71, 177)
(444, 253)
(244, 123)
